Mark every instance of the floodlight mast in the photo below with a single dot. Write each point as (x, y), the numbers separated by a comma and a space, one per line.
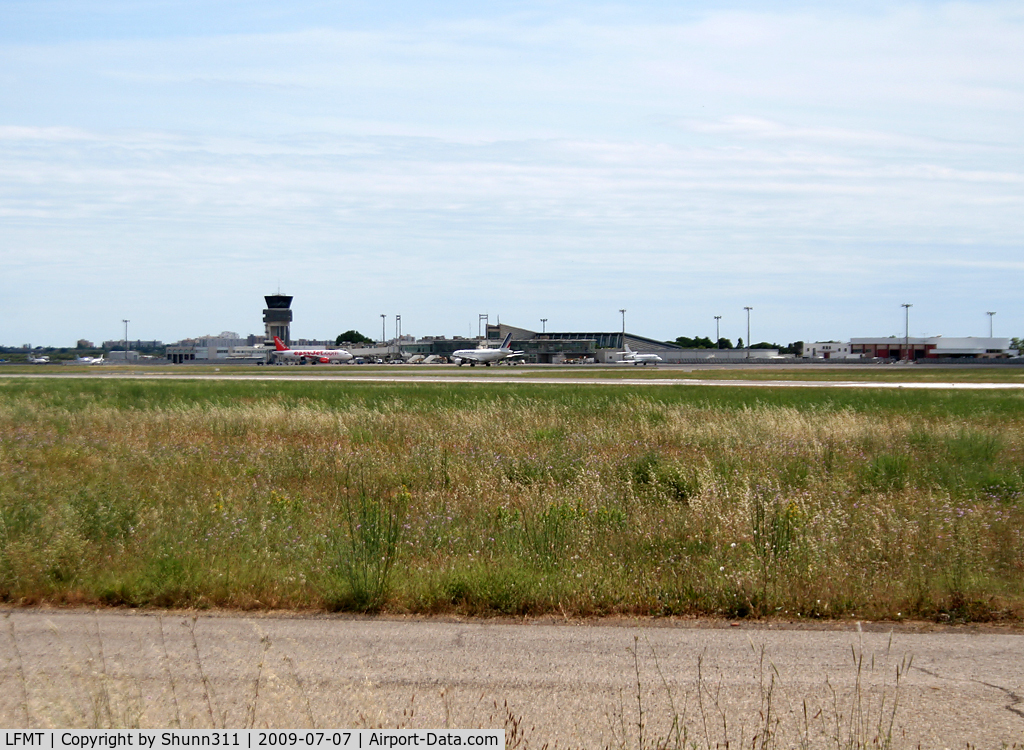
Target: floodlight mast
(906, 331)
(718, 334)
(543, 325)
(383, 334)
(622, 310)
(126, 322)
(990, 315)
(748, 309)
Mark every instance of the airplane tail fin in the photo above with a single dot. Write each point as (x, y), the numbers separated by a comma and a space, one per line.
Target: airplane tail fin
(507, 342)
(279, 345)
(628, 350)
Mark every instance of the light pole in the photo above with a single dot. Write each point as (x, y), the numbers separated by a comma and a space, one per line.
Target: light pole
(126, 322)
(748, 309)
(543, 325)
(990, 315)
(383, 334)
(718, 335)
(623, 311)
(482, 317)
(906, 332)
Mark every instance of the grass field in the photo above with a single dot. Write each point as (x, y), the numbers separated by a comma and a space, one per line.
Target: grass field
(514, 499)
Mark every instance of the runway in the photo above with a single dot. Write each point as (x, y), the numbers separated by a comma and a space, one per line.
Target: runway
(458, 378)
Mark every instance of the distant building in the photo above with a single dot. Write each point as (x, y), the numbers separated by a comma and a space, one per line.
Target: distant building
(554, 347)
(932, 347)
(137, 344)
(228, 345)
(827, 350)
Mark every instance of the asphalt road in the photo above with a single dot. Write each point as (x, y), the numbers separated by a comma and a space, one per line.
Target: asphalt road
(568, 685)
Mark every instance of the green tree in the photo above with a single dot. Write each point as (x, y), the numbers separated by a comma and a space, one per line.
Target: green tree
(697, 342)
(352, 337)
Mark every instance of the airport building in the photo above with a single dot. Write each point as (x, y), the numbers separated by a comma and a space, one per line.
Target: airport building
(277, 319)
(913, 348)
(558, 347)
(227, 345)
(931, 348)
(828, 350)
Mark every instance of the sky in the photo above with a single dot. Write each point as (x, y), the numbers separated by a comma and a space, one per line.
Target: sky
(171, 163)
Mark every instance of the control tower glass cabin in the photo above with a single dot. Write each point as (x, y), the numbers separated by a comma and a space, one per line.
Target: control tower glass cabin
(277, 318)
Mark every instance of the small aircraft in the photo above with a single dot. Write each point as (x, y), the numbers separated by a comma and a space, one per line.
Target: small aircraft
(40, 360)
(312, 356)
(89, 360)
(636, 358)
(486, 356)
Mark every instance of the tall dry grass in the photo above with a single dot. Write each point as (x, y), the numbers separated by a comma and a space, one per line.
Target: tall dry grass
(530, 502)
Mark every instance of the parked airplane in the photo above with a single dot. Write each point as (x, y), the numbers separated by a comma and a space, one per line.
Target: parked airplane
(41, 360)
(636, 358)
(89, 360)
(312, 356)
(486, 356)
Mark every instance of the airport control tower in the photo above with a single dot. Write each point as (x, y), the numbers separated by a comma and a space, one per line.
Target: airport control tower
(277, 318)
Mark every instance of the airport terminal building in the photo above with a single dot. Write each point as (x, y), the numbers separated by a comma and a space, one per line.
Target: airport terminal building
(931, 348)
(568, 347)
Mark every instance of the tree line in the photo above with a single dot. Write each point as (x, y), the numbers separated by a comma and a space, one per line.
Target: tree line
(703, 342)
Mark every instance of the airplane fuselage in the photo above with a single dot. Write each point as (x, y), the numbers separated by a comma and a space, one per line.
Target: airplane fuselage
(486, 356)
(312, 356)
(636, 358)
(643, 359)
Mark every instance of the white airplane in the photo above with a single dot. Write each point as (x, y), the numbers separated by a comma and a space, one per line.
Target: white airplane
(486, 356)
(636, 358)
(41, 360)
(312, 356)
(89, 360)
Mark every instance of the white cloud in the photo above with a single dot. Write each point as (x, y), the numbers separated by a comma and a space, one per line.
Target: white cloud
(589, 158)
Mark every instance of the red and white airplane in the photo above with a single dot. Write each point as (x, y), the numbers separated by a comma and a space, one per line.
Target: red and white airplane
(312, 356)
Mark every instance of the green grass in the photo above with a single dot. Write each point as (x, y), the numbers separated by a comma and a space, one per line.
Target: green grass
(513, 499)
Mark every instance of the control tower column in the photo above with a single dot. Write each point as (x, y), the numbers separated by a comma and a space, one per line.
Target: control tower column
(277, 319)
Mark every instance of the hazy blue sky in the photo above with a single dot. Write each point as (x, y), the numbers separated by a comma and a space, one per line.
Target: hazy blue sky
(172, 162)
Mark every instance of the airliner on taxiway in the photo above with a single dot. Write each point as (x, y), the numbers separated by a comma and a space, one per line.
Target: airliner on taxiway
(486, 356)
(312, 356)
